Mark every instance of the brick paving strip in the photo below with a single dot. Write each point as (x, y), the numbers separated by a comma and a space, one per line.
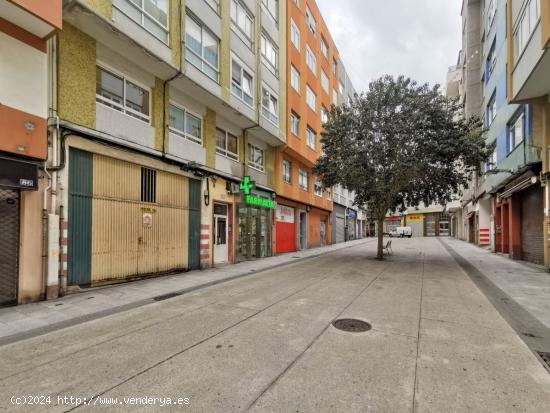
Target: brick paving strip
(30, 320)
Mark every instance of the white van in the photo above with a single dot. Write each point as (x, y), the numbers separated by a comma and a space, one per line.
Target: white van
(401, 232)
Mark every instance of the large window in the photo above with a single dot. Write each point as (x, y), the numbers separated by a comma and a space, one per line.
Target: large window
(121, 94)
(491, 109)
(256, 157)
(491, 62)
(151, 14)
(311, 99)
(287, 171)
(491, 12)
(311, 137)
(516, 132)
(270, 52)
(201, 48)
(243, 20)
(317, 187)
(527, 23)
(324, 47)
(295, 124)
(334, 67)
(303, 180)
(311, 23)
(294, 34)
(334, 97)
(271, 7)
(311, 60)
(227, 144)
(324, 81)
(295, 78)
(185, 124)
(242, 83)
(270, 106)
(324, 114)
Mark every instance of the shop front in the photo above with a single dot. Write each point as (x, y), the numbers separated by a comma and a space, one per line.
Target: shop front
(351, 224)
(255, 221)
(285, 228)
(416, 223)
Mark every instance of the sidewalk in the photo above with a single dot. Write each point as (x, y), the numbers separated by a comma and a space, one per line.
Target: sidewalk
(28, 320)
(527, 284)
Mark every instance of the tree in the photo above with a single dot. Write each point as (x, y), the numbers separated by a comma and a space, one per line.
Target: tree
(399, 144)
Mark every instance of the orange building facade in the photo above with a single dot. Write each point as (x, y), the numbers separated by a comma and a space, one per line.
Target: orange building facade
(303, 216)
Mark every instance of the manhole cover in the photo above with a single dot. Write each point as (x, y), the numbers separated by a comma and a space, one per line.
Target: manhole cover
(351, 325)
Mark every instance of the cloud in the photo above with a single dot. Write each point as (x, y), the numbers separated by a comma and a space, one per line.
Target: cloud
(416, 38)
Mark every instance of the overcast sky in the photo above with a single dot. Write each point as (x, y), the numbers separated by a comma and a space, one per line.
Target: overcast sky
(416, 38)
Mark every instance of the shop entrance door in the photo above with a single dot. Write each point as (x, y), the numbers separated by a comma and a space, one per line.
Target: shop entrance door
(221, 251)
(303, 230)
(323, 233)
(254, 238)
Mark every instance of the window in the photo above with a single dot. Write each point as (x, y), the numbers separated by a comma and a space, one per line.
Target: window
(334, 97)
(294, 34)
(303, 180)
(297, 3)
(242, 19)
(185, 124)
(295, 124)
(324, 81)
(242, 83)
(256, 157)
(311, 137)
(329, 193)
(295, 78)
(270, 52)
(317, 187)
(271, 7)
(151, 14)
(270, 106)
(491, 12)
(334, 66)
(227, 144)
(311, 99)
(215, 4)
(341, 87)
(120, 94)
(491, 110)
(287, 171)
(526, 26)
(324, 47)
(516, 132)
(492, 162)
(201, 48)
(491, 62)
(311, 60)
(148, 185)
(311, 23)
(324, 114)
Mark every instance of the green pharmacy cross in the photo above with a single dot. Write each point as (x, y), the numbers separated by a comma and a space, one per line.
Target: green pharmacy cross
(247, 185)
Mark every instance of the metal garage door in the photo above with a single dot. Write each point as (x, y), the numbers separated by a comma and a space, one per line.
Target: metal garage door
(9, 245)
(417, 228)
(340, 228)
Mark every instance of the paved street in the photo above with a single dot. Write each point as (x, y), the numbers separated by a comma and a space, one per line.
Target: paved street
(264, 343)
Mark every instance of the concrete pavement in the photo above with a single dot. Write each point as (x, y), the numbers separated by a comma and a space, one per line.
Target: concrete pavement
(27, 320)
(265, 343)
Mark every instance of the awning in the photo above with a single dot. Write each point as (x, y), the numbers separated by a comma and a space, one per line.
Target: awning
(470, 214)
(393, 219)
(520, 186)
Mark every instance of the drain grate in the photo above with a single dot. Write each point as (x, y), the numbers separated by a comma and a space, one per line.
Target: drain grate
(167, 296)
(545, 357)
(351, 325)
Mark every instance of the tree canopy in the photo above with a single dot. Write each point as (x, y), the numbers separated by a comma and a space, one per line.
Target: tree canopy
(399, 144)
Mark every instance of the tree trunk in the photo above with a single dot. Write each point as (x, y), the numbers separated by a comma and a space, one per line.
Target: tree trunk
(380, 234)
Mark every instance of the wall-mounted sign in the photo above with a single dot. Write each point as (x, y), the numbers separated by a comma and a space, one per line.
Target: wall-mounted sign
(248, 185)
(147, 219)
(415, 217)
(148, 209)
(284, 214)
(18, 174)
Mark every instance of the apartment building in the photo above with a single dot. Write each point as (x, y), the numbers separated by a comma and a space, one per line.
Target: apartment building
(529, 85)
(169, 115)
(25, 27)
(303, 215)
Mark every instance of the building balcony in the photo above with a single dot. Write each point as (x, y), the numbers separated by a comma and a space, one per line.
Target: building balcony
(41, 18)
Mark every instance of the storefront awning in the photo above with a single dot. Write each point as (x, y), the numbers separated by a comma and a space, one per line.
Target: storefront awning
(470, 215)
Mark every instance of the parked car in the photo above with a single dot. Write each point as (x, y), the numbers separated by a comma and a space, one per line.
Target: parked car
(401, 232)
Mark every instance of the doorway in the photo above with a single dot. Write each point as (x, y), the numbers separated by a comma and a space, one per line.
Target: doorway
(323, 232)
(9, 243)
(221, 250)
(303, 230)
